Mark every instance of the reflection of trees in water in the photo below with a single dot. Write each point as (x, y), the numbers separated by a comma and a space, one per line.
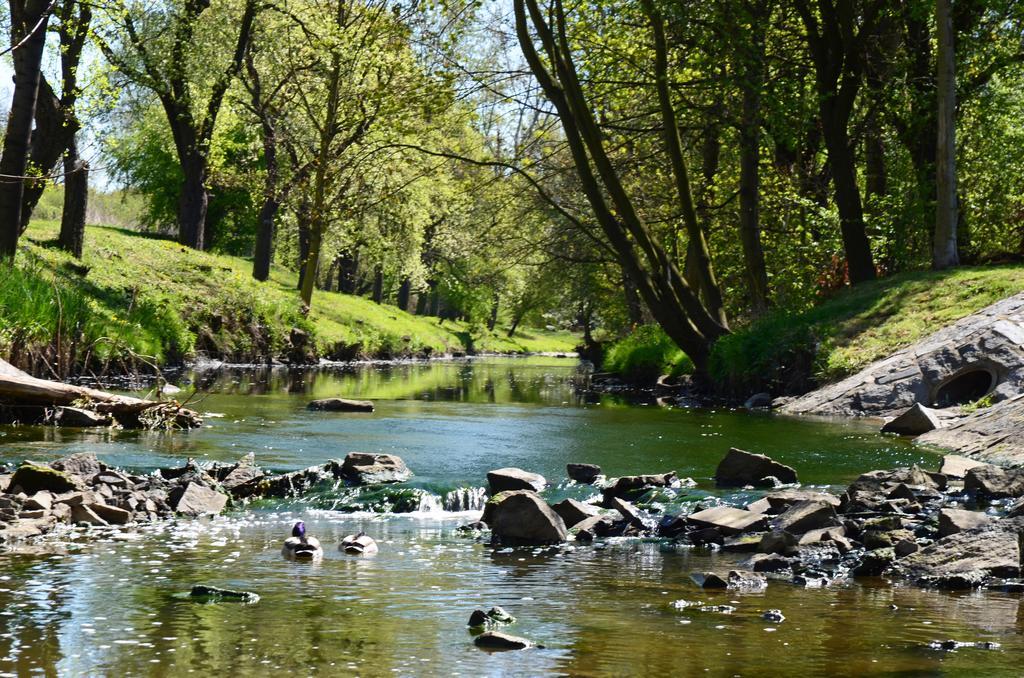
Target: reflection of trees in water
(31, 619)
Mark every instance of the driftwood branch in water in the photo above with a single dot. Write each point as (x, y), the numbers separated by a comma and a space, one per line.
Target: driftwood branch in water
(19, 389)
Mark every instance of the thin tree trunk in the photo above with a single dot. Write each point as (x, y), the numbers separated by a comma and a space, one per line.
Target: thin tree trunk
(304, 229)
(28, 23)
(944, 252)
(76, 202)
(378, 284)
(492, 319)
(404, 291)
(264, 253)
(634, 306)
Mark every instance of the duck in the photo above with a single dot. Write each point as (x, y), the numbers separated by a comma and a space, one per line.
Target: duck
(359, 544)
(301, 547)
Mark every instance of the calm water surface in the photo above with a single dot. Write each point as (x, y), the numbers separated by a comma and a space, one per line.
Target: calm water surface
(111, 604)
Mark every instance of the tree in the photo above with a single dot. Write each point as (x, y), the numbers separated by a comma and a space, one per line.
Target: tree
(158, 49)
(944, 247)
(28, 39)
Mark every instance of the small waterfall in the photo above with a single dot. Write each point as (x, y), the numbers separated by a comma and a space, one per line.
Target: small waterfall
(430, 503)
(465, 499)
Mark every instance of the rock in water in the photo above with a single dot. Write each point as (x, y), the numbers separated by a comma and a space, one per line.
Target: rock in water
(805, 516)
(573, 512)
(631, 487)
(955, 466)
(967, 559)
(83, 464)
(914, 421)
(195, 500)
(32, 478)
(585, 474)
(521, 517)
(727, 520)
(774, 616)
(495, 615)
(366, 468)
(952, 521)
(740, 468)
(495, 640)
(994, 482)
(213, 594)
(341, 405)
(505, 479)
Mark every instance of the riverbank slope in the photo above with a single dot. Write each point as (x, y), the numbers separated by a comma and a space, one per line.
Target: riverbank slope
(135, 300)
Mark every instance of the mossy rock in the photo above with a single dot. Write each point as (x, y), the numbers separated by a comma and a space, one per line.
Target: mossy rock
(32, 478)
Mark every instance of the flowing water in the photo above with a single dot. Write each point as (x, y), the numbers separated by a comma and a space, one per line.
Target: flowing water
(110, 603)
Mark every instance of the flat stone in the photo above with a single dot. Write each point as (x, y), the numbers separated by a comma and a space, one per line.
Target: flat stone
(955, 466)
(112, 514)
(832, 533)
(195, 500)
(914, 421)
(629, 487)
(740, 468)
(340, 405)
(727, 519)
(952, 521)
(585, 474)
(628, 512)
(511, 478)
(574, 512)
(991, 550)
(806, 515)
(780, 500)
(81, 513)
(42, 500)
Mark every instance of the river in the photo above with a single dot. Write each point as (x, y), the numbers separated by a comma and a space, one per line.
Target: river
(111, 603)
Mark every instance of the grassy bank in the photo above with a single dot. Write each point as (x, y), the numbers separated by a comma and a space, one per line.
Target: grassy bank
(135, 299)
(788, 353)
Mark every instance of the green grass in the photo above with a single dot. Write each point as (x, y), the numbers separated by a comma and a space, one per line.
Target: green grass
(785, 353)
(136, 296)
(646, 354)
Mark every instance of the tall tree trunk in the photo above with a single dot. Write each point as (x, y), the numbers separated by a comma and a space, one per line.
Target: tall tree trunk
(847, 193)
(50, 139)
(634, 306)
(492, 319)
(378, 284)
(751, 83)
(193, 201)
(28, 24)
(76, 202)
(944, 252)
(305, 230)
(348, 269)
(264, 253)
(404, 292)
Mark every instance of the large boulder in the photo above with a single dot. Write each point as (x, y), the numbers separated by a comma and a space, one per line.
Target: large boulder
(968, 558)
(521, 517)
(993, 482)
(193, 499)
(727, 519)
(585, 474)
(364, 468)
(805, 516)
(740, 468)
(573, 512)
(32, 478)
(952, 521)
(630, 487)
(340, 405)
(914, 421)
(506, 479)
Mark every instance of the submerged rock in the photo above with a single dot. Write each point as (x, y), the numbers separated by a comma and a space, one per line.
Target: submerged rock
(774, 616)
(366, 468)
(522, 517)
(341, 405)
(740, 468)
(505, 479)
(495, 640)
(214, 593)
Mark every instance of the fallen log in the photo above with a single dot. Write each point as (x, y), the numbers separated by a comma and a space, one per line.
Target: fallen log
(19, 390)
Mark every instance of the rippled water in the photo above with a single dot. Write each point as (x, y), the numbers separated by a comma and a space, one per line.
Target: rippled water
(111, 604)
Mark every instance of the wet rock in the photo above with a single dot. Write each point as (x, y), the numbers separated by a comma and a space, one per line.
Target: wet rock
(111, 514)
(774, 616)
(82, 514)
(740, 468)
(914, 421)
(952, 521)
(194, 499)
(1016, 510)
(585, 474)
(629, 512)
(290, 484)
(727, 519)
(768, 562)
(366, 468)
(781, 500)
(706, 536)
(956, 581)
(495, 640)
(744, 543)
(835, 533)
(630, 487)
(954, 645)
(83, 464)
(522, 517)
(573, 512)
(506, 479)
(875, 563)
(593, 527)
(471, 528)
(905, 547)
(495, 615)
(1006, 586)
(778, 541)
(883, 481)
(32, 478)
(746, 580)
(341, 405)
(972, 556)
(955, 466)
(994, 482)
(710, 580)
(214, 594)
(806, 515)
